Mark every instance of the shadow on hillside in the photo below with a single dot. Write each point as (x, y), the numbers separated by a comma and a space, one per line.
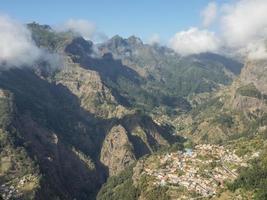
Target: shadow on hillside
(151, 129)
(49, 109)
(45, 108)
(111, 70)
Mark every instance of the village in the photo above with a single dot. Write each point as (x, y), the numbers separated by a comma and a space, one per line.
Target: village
(9, 190)
(202, 170)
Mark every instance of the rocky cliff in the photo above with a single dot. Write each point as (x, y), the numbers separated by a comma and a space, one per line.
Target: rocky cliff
(117, 151)
(234, 111)
(66, 128)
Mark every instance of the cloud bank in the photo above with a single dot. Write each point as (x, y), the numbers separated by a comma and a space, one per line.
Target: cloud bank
(83, 28)
(16, 45)
(244, 22)
(194, 41)
(256, 50)
(242, 28)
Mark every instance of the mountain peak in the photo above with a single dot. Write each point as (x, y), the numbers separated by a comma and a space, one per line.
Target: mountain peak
(35, 25)
(79, 46)
(120, 41)
(134, 40)
(116, 41)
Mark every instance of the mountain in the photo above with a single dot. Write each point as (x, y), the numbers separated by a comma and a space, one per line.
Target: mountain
(91, 111)
(237, 110)
(169, 78)
(225, 157)
(63, 130)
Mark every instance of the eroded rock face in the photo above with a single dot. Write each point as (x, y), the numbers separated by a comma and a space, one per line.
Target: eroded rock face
(254, 79)
(68, 173)
(117, 150)
(255, 72)
(87, 85)
(249, 104)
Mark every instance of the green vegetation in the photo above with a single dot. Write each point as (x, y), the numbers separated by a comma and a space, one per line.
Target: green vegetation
(249, 90)
(246, 145)
(210, 107)
(157, 193)
(170, 79)
(253, 178)
(53, 108)
(119, 187)
(44, 36)
(5, 111)
(225, 120)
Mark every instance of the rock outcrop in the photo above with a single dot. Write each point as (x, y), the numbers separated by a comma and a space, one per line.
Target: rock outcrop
(255, 71)
(117, 150)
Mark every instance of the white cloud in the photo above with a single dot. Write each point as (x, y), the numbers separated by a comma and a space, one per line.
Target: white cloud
(82, 27)
(16, 45)
(209, 14)
(257, 50)
(244, 22)
(194, 41)
(154, 39)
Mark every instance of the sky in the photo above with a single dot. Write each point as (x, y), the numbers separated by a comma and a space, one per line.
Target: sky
(229, 27)
(143, 18)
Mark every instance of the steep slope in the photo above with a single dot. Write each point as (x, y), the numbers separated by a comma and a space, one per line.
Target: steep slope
(53, 132)
(235, 111)
(205, 171)
(169, 75)
(73, 120)
(65, 117)
(117, 150)
(19, 175)
(236, 118)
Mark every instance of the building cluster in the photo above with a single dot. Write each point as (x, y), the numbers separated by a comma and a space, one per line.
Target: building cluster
(7, 192)
(202, 170)
(12, 191)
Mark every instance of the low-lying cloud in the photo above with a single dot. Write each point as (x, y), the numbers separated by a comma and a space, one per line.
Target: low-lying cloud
(194, 41)
(16, 45)
(83, 28)
(256, 50)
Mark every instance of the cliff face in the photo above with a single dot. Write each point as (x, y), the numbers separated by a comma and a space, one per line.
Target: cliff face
(64, 130)
(130, 138)
(250, 92)
(67, 172)
(237, 110)
(69, 150)
(73, 124)
(117, 150)
(87, 85)
(19, 176)
(255, 71)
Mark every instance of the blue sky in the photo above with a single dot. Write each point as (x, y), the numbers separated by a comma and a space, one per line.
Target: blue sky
(142, 18)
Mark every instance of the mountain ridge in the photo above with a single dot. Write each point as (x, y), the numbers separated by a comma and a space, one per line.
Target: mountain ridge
(96, 110)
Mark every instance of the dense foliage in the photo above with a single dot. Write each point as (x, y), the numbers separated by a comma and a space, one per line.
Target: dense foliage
(254, 178)
(250, 90)
(119, 187)
(168, 78)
